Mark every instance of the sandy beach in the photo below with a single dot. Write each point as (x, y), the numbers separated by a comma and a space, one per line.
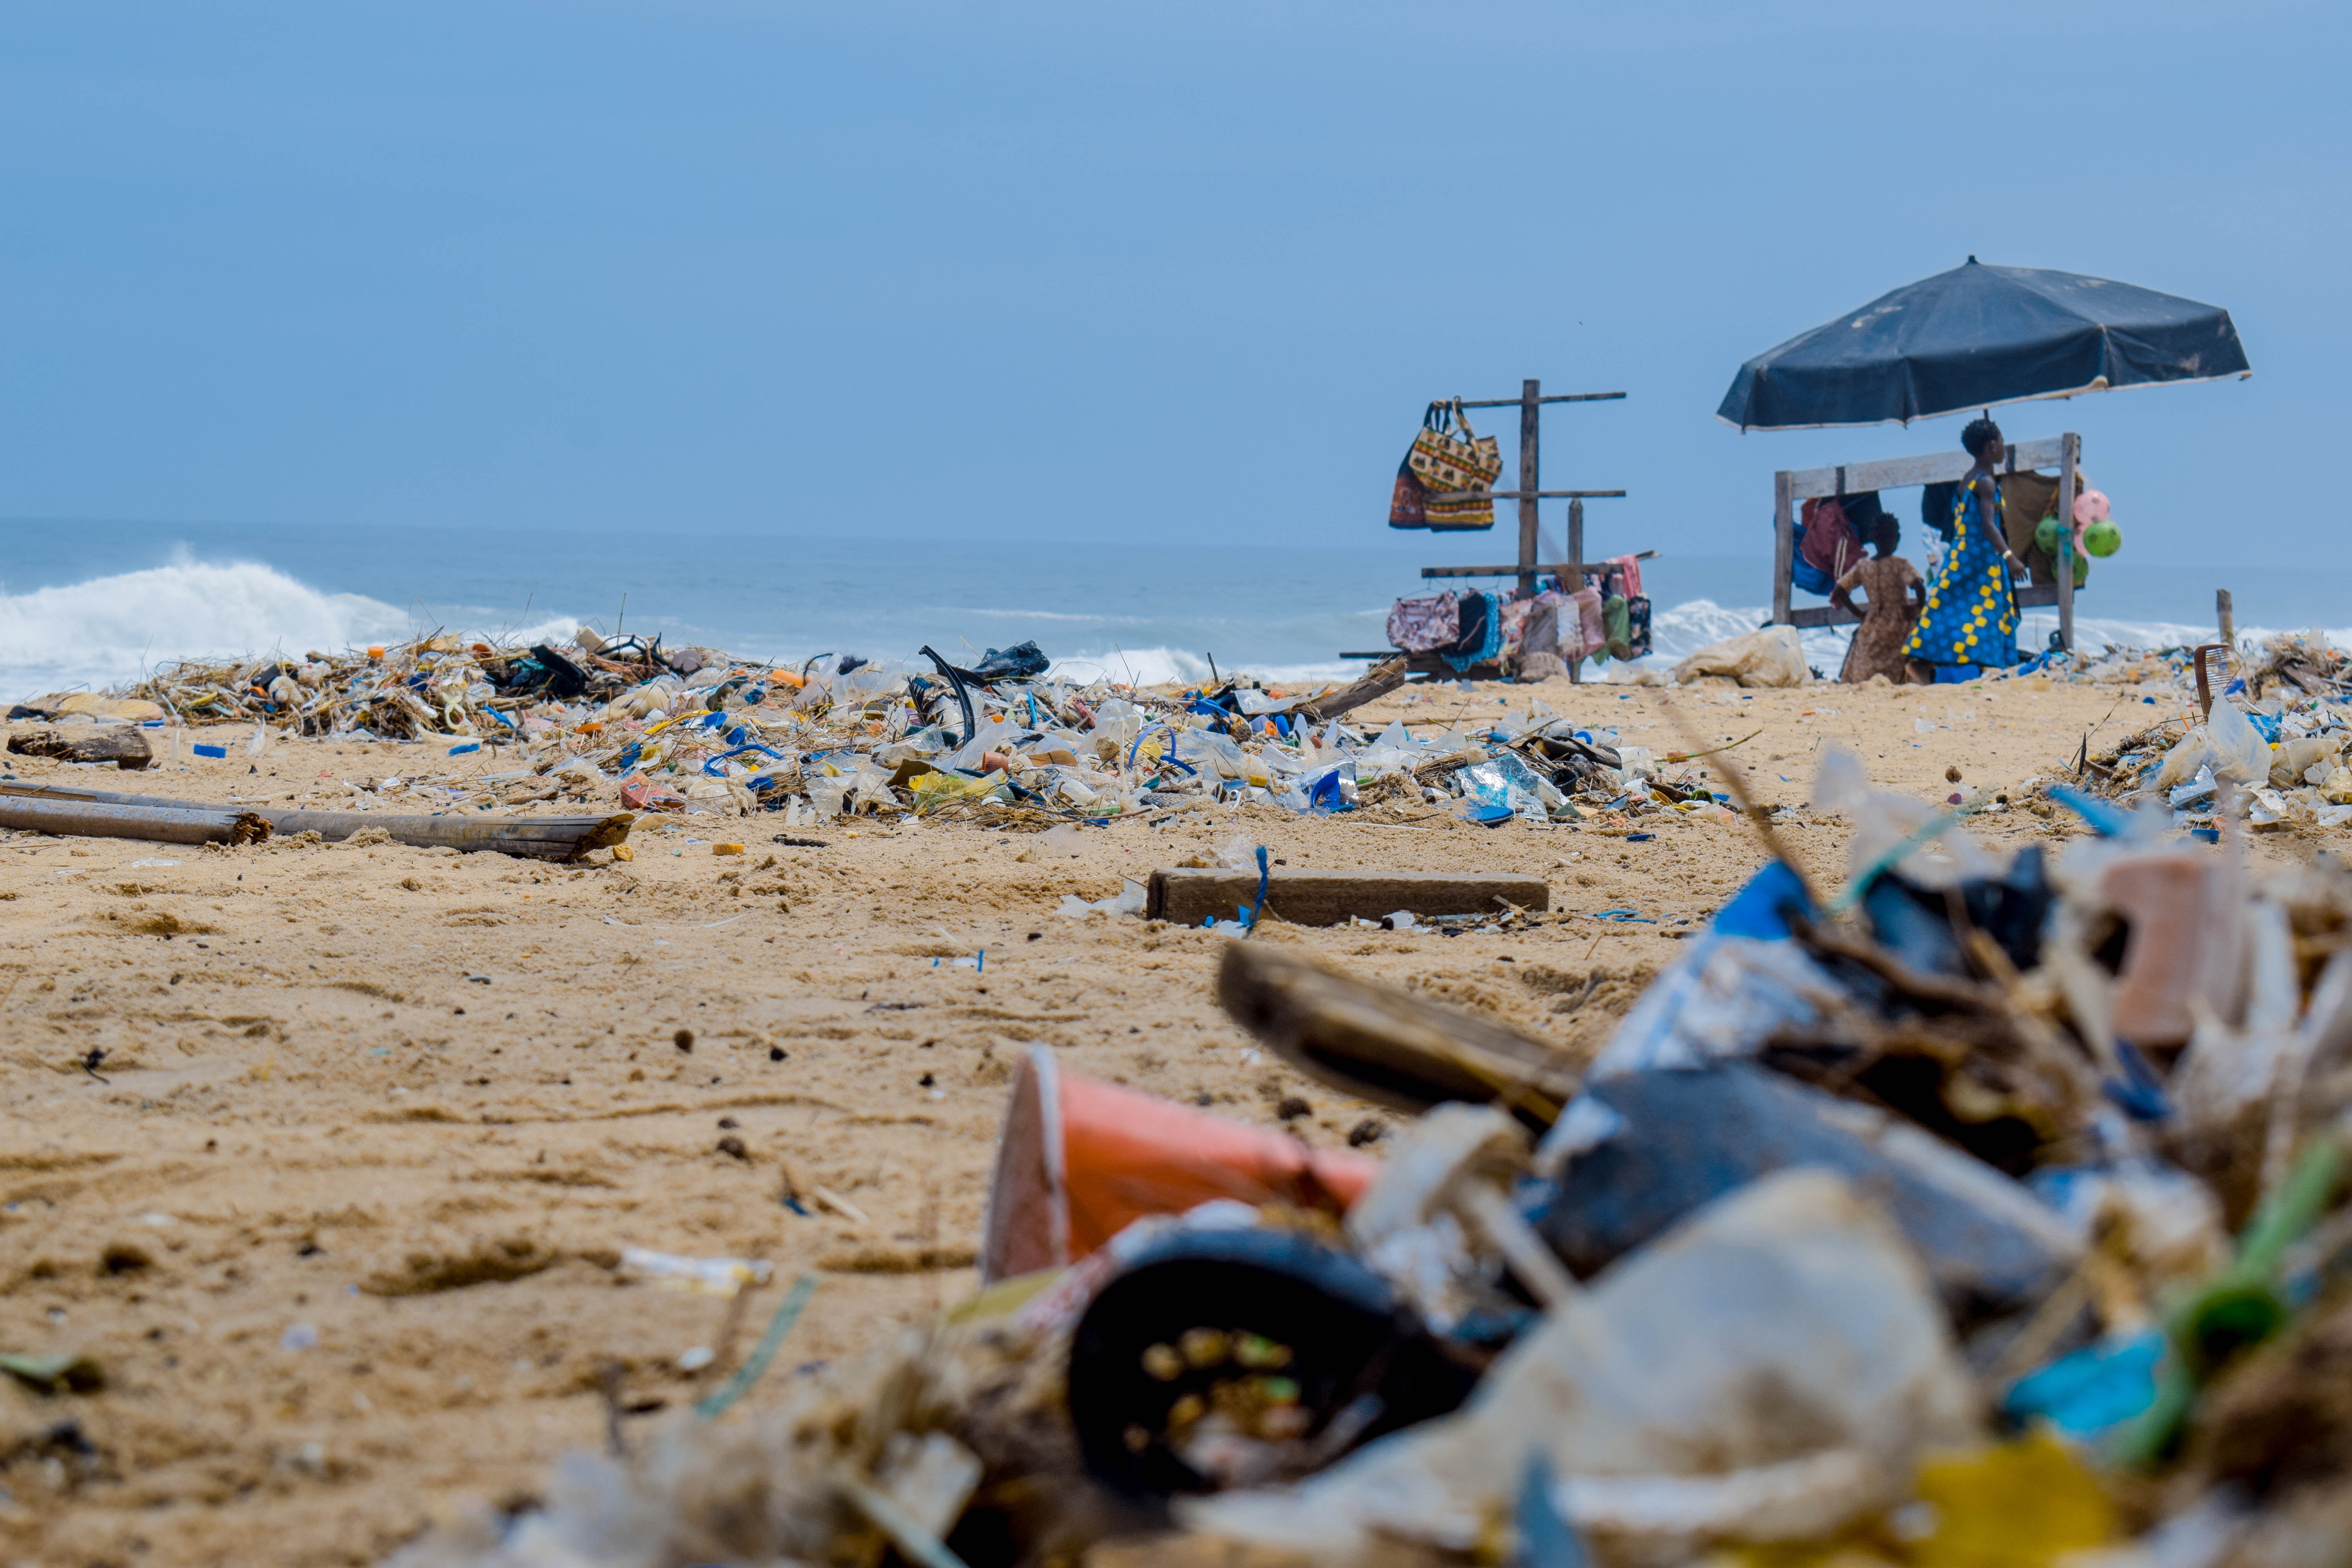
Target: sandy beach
(325, 1155)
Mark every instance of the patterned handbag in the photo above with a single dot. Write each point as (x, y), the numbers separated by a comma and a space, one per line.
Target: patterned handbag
(1449, 456)
(1407, 505)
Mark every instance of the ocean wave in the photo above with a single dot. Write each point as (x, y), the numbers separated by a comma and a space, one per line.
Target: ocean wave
(112, 631)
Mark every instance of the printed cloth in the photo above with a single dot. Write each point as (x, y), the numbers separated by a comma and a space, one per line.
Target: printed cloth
(1581, 633)
(1425, 624)
(1628, 568)
(1971, 614)
(1482, 631)
(1408, 505)
(1515, 622)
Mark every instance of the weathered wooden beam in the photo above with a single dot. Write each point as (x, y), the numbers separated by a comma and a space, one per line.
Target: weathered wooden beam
(1555, 568)
(1374, 684)
(534, 838)
(1556, 397)
(1384, 1044)
(2030, 596)
(1524, 495)
(156, 823)
(1186, 896)
(2070, 454)
(121, 744)
(1897, 473)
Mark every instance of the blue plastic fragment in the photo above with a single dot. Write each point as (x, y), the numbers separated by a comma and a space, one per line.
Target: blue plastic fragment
(1761, 909)
(211, 750)
(2139, 1093)
(2107, 820)
(1547, 1540)
(1486, 814)
(2093, 1389)
(1639, 838)
(2206, 835)
(1624, 917)
(460, 749)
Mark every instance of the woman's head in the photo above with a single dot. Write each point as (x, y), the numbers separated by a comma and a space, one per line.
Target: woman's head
(1981, 437)
(1883, 535)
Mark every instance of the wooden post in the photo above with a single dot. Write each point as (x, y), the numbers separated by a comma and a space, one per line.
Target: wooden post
(2227, 615)
(1576, 552)
(1530, 417)
(2070, 452)
(1784, 547)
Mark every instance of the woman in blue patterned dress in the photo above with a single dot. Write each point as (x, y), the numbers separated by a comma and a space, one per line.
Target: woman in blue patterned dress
(1969, 624)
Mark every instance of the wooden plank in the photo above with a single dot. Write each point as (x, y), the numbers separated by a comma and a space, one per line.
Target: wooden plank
(2033, 597)
(1784, 544)
(1186, 896)
(29, 813)
(534, 838)
(1575, 552)
(1554, 568)
(1518, 494)
(1382, 1043)
(2070, 454)
(1375, 684)
(1896, 473)
(121, 744)
(1556, 397)
(1530, 481)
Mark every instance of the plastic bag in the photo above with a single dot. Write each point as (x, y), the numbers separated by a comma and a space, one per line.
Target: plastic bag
(1771, 655)
(1785, 1323)
(2240, 753)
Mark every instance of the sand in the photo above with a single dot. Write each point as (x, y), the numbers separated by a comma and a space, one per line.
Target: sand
(338, 1211)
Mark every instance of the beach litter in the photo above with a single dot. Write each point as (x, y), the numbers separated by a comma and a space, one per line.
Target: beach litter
(631, 725)
(1983, 1208)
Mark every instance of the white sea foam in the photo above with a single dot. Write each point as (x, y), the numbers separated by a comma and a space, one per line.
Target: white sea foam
(112, 630)
(109, 631)
(1156, 665)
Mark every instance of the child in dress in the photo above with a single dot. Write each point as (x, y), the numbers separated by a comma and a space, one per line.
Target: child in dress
(1888, 583)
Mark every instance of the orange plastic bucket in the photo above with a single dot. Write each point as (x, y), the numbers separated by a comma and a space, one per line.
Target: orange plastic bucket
(1081, 1159)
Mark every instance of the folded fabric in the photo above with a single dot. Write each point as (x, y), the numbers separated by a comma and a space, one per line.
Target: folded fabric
(1481, 637)
(1630, 569)
(1425, 624)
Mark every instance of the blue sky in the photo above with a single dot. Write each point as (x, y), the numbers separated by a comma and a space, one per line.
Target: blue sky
(1112, 273)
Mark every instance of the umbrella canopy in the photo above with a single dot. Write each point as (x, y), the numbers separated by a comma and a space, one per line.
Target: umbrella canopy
(1976, 336)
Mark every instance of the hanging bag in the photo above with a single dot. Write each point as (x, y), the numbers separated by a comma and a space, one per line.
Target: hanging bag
(1448, 456)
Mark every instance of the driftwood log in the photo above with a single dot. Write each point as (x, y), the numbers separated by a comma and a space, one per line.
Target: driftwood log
(157, 824)
(1380, 1044)
(121, 744)
(1186, 896)
(1378, 682)
(534, 838)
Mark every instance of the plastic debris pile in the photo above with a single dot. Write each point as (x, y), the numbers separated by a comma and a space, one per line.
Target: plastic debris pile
(1004, 742)
(2277, 733)
(1974, 1211)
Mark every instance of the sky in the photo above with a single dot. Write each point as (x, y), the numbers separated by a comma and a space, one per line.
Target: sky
(1113, 275)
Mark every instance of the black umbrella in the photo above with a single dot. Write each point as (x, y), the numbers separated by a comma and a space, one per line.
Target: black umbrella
(1980, 336)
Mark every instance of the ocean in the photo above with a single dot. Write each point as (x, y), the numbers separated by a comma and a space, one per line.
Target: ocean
(99, 604)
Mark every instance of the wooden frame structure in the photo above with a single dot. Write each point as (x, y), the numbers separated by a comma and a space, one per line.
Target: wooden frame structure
(1529, 403)
(1791, 486)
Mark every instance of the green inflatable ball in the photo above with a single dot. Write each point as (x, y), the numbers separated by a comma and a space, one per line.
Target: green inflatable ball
(2081, 567)
(2103, 538)
(2045, 535)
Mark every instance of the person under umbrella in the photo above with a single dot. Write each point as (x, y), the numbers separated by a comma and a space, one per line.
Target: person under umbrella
(1969, 624)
